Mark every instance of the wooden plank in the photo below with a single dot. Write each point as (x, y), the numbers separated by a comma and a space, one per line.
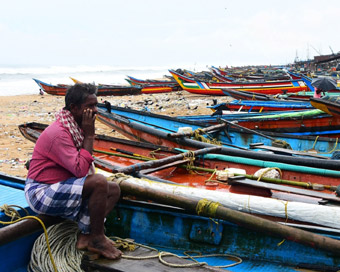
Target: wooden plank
(141, 265)
(283, 188)
(286, 151)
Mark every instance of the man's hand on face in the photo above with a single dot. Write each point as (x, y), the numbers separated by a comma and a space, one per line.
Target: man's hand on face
(88, 122)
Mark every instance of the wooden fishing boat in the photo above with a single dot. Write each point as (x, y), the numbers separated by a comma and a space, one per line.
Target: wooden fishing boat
(142, 82)
(316, 123)
(152, 89)
(299, 96)
(330, 105)
(122, 153)
(59, 89)
(175, 227)
(103, 90)
(262, 105)
(158, 134)
(250, 74)
(227, 134)
(308, 81)
(215, 88)
(224, 76)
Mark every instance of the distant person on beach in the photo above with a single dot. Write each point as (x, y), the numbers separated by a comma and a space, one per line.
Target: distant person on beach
(61, 181)
(318, 93)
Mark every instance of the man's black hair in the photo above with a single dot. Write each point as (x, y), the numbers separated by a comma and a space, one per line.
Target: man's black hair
(78, 93)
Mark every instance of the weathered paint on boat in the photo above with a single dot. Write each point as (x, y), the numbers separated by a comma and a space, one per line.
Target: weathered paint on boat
(234, 137)
(109, 148)
(103, 90)
(175, 230)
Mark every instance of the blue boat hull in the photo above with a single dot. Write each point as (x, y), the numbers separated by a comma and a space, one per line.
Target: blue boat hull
(178, 231)
(173, 229)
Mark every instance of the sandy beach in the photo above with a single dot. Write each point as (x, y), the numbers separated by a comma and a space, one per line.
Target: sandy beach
(15, 150)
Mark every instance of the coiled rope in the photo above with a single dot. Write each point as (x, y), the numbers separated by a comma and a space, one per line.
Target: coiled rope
(63, 238)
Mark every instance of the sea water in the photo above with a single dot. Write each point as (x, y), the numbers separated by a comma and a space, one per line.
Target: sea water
(19, 80)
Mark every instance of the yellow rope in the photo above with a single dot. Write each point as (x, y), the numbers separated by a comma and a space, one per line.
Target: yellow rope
(8, 209)
(125, 245)
(11, 212)
(316, 139)
(331, 151)
(160, 254)
(153, 153)
(336, 143)
(197, 134)
(267, 170)
(191, 158)
(286, 213)
(207, 207)
(118, 178)
(209, 179)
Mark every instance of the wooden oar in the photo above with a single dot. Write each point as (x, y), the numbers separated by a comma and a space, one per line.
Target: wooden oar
(214, 210)
(155, 163)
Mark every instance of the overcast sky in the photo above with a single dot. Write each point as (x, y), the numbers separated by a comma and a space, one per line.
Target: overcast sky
(166, 33)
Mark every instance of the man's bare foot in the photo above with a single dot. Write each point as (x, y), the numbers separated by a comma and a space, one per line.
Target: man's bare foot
(105, 247)
(83, 241)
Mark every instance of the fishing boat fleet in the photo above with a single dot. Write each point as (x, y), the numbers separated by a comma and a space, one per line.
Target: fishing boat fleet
(253, 186)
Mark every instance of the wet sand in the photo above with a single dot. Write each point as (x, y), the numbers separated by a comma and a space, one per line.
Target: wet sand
(15, 150)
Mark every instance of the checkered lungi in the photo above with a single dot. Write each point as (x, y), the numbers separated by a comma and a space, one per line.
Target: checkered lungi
(62, 199)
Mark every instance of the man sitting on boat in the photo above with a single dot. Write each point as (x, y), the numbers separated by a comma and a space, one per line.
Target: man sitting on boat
(61, 181)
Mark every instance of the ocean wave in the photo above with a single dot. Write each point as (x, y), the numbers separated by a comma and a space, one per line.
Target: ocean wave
(75, 69)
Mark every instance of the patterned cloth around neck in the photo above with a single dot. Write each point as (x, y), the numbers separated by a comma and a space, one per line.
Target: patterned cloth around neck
(67, 120)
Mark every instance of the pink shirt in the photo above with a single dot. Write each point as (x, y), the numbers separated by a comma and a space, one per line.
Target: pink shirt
(55, 157)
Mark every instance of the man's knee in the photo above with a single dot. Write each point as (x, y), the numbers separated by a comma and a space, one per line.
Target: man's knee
(96, 182)
(114, 189)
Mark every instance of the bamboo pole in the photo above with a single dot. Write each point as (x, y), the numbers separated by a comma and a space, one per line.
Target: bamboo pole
(243, 219)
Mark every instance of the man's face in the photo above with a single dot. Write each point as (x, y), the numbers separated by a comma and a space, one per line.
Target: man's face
(90, 103)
